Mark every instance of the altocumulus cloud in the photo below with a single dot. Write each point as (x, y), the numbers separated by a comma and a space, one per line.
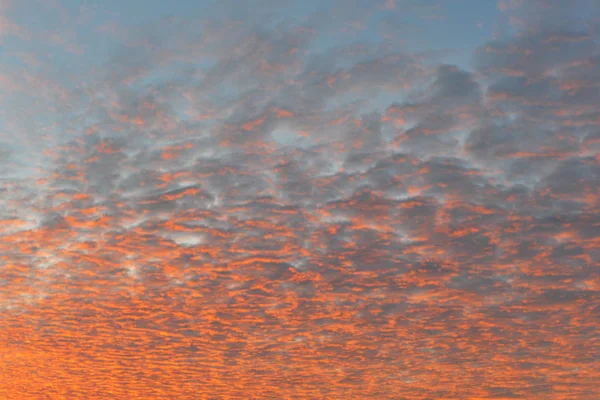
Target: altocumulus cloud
(270, 200)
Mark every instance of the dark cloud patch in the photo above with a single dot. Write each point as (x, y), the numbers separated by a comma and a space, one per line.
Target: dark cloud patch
(456, 85)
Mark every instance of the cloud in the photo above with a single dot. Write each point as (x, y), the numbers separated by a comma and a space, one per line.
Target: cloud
(359, 218)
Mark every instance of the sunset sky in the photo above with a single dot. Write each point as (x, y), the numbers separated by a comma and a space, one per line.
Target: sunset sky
(271, 199)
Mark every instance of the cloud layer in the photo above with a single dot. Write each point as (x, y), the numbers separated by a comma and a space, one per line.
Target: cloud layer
(252, 206)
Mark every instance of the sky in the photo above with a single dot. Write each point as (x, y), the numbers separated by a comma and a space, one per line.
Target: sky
(271, 199)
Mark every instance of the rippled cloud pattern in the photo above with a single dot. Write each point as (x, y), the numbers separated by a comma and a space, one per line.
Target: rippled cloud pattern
(266, 199)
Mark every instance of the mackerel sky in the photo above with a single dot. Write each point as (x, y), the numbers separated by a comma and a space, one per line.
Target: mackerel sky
(261, 199)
